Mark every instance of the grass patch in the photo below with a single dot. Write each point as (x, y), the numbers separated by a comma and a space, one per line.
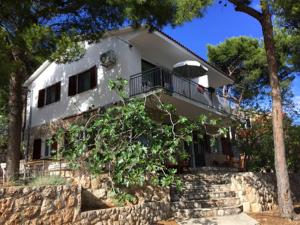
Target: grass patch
(48, 180)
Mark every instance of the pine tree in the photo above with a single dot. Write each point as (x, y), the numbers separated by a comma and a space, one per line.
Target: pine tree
(32, 31)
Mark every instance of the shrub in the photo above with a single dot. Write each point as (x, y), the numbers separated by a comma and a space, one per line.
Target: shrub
(48, 180)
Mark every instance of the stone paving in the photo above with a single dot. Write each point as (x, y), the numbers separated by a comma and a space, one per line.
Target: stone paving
(240, 219)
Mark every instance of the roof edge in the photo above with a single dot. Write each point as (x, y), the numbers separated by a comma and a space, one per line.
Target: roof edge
(37, 73)
(194, 54)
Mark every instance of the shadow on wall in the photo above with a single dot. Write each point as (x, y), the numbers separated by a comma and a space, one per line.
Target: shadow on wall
(90, 202)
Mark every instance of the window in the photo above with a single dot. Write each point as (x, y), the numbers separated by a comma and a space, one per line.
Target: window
(50, 148)
(49, 95)
(84, 81)
(37, 148)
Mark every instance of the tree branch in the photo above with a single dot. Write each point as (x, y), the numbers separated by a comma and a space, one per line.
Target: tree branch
(241, 7)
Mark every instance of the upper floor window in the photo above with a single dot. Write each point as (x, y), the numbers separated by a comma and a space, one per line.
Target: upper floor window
(84, 81)
(49, 95)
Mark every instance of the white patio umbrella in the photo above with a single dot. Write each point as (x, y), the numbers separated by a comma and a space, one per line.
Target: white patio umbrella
(190, 69)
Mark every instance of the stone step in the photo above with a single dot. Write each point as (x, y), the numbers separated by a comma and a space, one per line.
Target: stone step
(201, 196)
(208, 174)
(200, 188)
(215, 181)
(207, 212)
(215, 169)
(211, 203)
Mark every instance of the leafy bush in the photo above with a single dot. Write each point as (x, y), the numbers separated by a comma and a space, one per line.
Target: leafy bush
(48, 180)
(127, 142)
(257, 143)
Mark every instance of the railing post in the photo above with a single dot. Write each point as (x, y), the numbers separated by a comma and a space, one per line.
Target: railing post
(190, 95)
(212, 99)
(161, 78)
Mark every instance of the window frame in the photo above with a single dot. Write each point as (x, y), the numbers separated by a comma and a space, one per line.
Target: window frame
(43, 95)
(73, 85)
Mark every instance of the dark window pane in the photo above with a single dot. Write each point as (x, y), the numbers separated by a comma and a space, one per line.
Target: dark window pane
(57, 91)
(53, 93)
(72, 85)
(47, 149)
(94, 77)
(41, 98)
(37, 148)
(84, 81)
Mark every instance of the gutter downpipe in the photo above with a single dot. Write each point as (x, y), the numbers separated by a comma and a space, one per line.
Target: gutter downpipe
(27, 126)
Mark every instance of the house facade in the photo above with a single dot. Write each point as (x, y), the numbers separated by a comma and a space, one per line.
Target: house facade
(59, 94)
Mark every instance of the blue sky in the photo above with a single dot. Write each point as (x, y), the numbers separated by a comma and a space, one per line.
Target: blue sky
(218, 24)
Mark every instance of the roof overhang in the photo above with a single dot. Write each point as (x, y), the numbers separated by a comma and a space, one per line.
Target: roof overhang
(157, 39)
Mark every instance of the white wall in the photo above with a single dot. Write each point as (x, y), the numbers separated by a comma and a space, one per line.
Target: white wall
(128, 63)
(150, 46)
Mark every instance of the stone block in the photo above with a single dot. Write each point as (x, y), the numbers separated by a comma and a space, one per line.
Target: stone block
(246, 207)
(100, 193)
(256, 207)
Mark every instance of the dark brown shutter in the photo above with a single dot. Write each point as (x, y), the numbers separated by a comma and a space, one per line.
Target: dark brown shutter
(93, 73)
(37, 148)
(207, 142)
(72, 85)
(57, 91)
(41, 99)
(226, 146)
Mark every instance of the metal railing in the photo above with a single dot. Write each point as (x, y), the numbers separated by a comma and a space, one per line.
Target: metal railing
(156, 78)
(38, 168)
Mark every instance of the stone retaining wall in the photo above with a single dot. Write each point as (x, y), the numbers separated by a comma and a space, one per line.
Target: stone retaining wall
(40, 205)
(258, 191)
(62, 205)
(142, 214)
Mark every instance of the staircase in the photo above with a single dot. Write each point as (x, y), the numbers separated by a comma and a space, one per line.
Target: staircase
(205, 194)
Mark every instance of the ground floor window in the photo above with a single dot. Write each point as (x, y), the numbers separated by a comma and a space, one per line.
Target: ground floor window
(43, 148)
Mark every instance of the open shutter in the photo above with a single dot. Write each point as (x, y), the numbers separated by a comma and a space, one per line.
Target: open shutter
(93, 73)
(207, 142)
(226, 146)
(41, 98)
(37, 148)
(72, 85)
(57, 91)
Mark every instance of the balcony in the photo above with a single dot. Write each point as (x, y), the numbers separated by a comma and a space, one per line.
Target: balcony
(177, 86)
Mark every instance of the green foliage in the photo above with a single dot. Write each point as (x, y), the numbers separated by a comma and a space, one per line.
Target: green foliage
(244, 59)
(48, 180)
(129, 144)
(258, 144)
(288, 12)
(3, 133)
(33, 31)
(120, 198)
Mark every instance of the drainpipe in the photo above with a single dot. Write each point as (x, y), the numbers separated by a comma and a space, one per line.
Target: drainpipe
(27, 126)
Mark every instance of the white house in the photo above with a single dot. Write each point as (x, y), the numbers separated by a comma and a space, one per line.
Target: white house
(149, 60)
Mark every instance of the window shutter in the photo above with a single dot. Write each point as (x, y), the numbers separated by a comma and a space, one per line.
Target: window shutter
(72, 85)
(93, 73)
(37, 148)
(207, 142)
(41, 98)
(57, 91)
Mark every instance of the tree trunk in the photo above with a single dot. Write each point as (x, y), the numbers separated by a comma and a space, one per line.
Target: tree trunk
(283, 186)
(15, 105)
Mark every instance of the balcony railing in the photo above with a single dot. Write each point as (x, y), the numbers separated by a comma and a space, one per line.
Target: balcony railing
(156, 78)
